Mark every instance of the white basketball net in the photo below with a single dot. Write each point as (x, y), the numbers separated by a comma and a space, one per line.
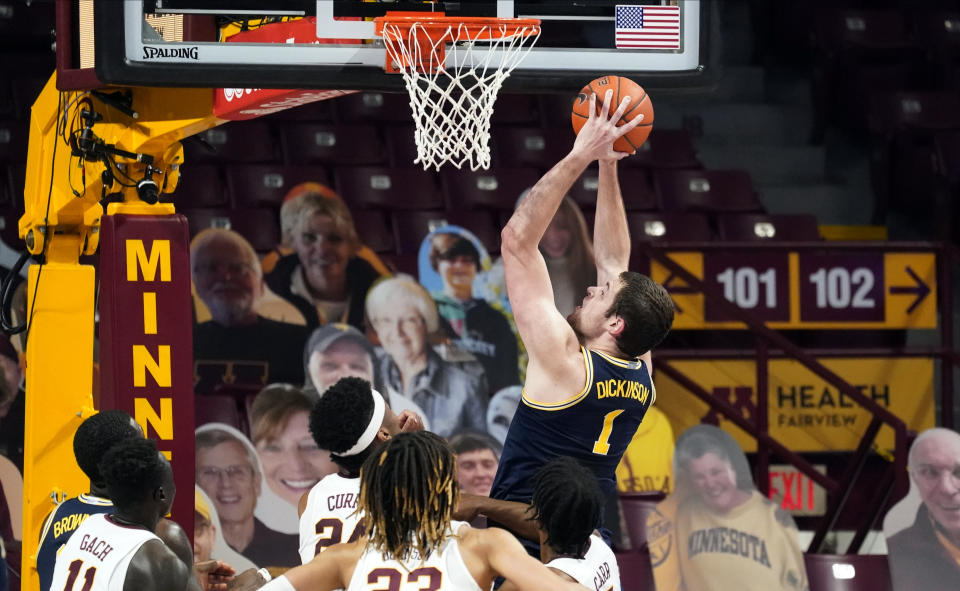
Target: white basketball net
(452, 102)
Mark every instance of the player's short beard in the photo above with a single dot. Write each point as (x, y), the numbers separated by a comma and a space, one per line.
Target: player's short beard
(573, 319)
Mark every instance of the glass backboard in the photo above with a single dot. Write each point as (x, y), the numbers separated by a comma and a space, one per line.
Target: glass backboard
(331, 44)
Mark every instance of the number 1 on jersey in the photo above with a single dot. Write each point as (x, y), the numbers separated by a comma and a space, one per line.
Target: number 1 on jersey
(602, 445)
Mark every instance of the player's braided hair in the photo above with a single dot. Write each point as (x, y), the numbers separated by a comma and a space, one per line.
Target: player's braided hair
(339, 418)
(408, 489)
(567, 503)
(96, 435)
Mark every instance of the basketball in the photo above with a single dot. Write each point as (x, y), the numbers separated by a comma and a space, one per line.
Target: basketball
(639, 104)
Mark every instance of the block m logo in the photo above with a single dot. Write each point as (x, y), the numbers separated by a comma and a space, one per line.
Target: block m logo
(138, 258)
(740, 397)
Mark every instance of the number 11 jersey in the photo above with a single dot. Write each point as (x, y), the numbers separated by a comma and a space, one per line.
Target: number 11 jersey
(97, 555)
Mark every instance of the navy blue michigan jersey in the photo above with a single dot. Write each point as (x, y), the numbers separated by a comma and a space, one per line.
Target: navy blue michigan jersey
(594, 426)
(58, 528)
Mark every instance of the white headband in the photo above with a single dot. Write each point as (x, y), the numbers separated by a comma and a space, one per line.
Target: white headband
(379, 408)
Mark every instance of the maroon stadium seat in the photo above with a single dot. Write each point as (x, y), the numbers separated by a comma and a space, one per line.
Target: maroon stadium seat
(636, 508)
(903, 126)
(401, 147)
(635, 187)
(217, 408)
(665, 148)
(411, 227)
(706, 190)
(261, 227)
(862, 30)
(401, 263)
(265, 185)
(388, 188)
(890, 112)
(636, 573)
(239, 141)
(201, 219)
(937, 31)
(200, 186)
(373, 230)
(368, 108)
(555, 110)
(496, 189)
(852, 572)
(758, 227)
(516, 109)
(531, 146)
(323, 143)
(668, 227)
(857, 52)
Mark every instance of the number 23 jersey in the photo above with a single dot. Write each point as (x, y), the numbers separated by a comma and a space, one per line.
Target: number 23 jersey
(97, 555)
(594, 426)
(331, 515)
(443, 569)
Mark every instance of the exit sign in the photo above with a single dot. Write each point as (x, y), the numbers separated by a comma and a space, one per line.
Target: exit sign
(796, 492)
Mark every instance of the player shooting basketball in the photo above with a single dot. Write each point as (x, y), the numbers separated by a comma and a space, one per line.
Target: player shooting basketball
(588, 381)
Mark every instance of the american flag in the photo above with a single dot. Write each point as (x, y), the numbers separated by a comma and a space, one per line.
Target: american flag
(648, 27)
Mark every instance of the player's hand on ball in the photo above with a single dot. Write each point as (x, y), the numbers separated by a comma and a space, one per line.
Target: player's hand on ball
(595, 140)
(409, 421)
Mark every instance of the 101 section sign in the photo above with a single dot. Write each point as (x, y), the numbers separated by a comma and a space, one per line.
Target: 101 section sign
(816, 289)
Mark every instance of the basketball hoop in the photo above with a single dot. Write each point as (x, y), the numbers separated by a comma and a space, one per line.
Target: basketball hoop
(452, 95)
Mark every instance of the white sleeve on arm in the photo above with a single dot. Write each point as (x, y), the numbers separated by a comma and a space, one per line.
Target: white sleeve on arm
(280, 583)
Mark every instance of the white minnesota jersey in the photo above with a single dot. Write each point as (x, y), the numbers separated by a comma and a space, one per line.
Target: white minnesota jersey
(597, 570)
(97, 555)
(444, 569)
(330, 516)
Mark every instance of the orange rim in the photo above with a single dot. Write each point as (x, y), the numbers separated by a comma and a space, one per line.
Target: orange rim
(436, 25)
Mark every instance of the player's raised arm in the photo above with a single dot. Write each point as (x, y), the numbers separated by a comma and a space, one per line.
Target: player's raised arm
(528, 282)
(611, 238)
(546, 335)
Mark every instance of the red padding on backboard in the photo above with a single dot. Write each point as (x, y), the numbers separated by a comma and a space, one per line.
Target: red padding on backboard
(247, 103)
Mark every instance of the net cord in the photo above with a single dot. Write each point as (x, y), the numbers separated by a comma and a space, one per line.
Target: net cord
(452, 104)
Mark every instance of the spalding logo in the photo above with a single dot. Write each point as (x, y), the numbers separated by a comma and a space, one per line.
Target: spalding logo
(150, 52)
(581, 98)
